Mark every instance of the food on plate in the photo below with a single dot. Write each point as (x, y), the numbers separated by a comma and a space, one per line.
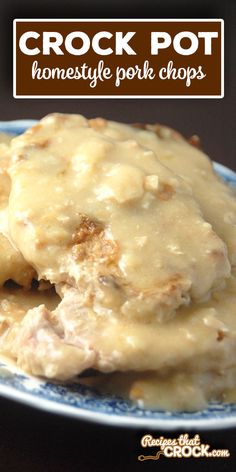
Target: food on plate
(12, 264)
(197, 345)
(111, 220)
(15, 302)
(216, 200)
(137, 234)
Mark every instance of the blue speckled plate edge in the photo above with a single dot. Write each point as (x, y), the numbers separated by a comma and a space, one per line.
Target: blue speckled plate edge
(83, 403)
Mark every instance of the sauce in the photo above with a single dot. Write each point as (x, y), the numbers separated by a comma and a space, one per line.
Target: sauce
(139, 236)
(111, 217)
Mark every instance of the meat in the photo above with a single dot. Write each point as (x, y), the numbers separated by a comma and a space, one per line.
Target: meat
(12, 264)
(110, 211)
(215, 198)
(138, 235)
(64, 342)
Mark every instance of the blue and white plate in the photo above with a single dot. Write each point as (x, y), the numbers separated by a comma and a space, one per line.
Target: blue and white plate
(79, 401)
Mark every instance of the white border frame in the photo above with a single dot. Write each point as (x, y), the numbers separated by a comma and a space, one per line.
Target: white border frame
(113, 20)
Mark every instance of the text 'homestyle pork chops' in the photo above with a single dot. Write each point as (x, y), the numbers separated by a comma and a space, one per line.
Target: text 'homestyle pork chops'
(103, 214)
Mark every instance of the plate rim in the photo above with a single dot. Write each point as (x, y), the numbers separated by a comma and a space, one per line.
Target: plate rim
(93, 416)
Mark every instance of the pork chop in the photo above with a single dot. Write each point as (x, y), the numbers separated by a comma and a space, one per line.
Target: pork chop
(103, 214)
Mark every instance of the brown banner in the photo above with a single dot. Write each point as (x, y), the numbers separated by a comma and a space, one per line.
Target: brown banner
(112, 58)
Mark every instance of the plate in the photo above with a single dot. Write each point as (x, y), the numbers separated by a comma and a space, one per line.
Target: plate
(81, 402)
